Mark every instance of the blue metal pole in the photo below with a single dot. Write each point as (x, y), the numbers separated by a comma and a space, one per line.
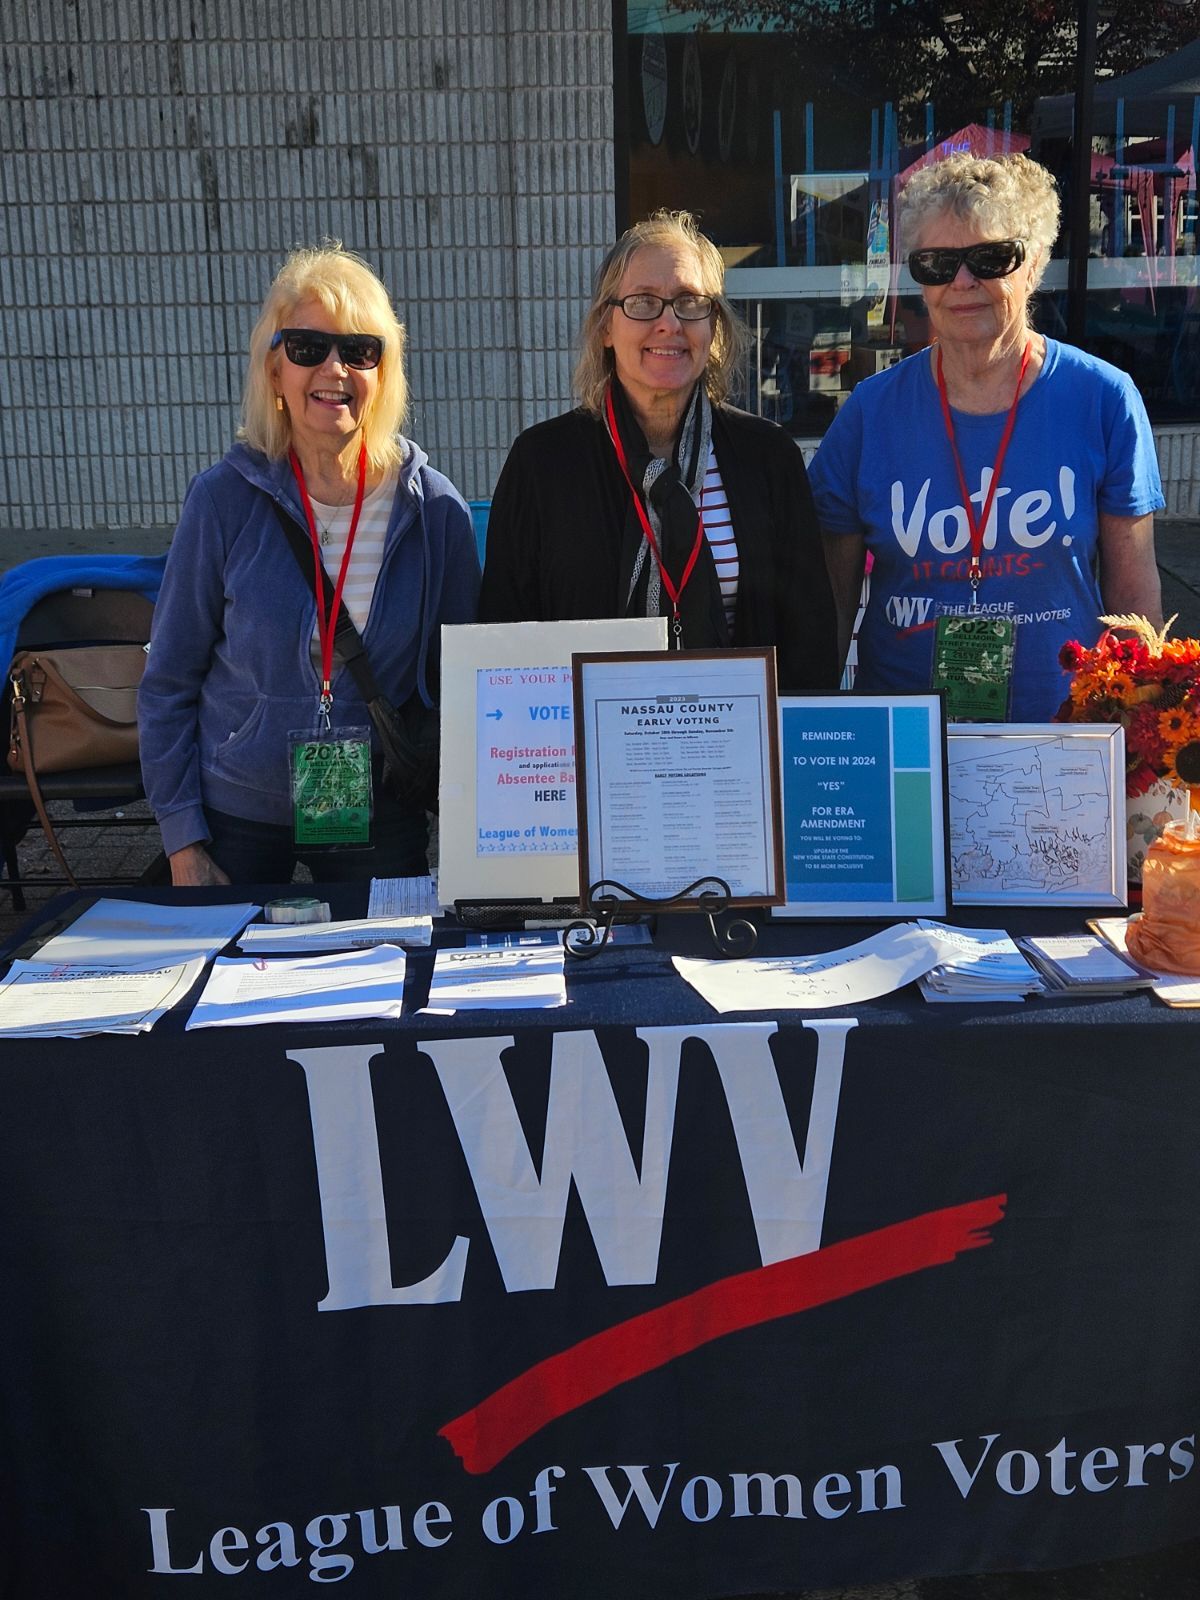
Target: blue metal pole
(780, 249)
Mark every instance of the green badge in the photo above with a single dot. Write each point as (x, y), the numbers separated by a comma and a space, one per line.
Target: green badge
(331, 788)
(972, 666)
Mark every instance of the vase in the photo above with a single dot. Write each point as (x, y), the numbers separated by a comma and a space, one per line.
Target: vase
(1146, 815)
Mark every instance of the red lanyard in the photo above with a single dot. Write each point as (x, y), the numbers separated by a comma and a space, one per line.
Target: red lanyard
(975, 571)
(327, 626)
(668, 583)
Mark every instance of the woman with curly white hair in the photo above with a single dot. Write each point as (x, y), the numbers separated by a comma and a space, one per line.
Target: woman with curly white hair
(998, 474)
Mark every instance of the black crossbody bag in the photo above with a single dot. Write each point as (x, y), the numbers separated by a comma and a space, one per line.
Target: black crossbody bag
(409, 735)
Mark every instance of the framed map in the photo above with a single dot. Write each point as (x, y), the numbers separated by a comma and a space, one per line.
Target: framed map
(1037, 813)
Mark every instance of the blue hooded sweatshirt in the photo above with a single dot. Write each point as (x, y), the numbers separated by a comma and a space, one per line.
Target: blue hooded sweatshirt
(230, 672)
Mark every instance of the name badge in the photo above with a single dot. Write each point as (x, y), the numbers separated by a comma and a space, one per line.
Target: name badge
(331, 789)
(973, 666)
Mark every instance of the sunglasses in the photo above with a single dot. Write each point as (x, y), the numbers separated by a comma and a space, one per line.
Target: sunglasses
(306, 347)
(996, 259)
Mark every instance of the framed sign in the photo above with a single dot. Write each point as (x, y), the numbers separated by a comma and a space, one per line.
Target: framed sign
(1037, 813)
(507, 793)
(679, 774)
(864, 806)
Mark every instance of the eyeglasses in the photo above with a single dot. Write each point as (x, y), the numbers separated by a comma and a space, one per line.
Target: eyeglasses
(306, 347)
(649, 307)
(996, 259)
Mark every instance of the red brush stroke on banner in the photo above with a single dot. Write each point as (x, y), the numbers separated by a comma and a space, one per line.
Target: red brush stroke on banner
(483, 1436)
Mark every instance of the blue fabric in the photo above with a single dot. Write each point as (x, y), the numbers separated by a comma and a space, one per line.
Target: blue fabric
(24, 586)
(230, 671)
(1081, 445)
(480, 512)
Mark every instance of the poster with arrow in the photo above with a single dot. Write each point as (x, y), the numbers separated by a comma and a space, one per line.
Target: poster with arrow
(525, 762)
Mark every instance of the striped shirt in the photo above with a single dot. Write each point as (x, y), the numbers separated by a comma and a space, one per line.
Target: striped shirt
(718, 529)
(333, 526)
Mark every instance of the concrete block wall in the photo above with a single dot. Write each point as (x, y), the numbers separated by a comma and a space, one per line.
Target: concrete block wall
(159, 157)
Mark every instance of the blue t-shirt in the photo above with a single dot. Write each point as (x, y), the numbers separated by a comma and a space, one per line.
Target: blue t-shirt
(1081, 445)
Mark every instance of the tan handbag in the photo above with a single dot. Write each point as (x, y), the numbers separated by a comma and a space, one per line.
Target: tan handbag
(73, 708)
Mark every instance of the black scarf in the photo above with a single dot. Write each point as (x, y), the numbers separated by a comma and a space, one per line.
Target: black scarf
(670, 492)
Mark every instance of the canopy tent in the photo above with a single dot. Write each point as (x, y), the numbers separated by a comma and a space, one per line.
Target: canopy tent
(974, 139)
(1145, 95)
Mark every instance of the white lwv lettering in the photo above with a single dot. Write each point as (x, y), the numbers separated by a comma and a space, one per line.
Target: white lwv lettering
(585, 1144)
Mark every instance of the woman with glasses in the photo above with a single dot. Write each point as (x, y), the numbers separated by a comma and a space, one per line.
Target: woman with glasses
(656, 497)
(998, 475)
(247, 714)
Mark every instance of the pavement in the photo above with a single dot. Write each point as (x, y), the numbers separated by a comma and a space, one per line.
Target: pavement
(129, 848)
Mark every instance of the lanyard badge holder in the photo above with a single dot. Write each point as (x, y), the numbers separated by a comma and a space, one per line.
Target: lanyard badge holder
(973, 654)
(330, 769)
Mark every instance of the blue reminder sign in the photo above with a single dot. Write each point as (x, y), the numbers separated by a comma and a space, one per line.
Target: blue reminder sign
(863, 805)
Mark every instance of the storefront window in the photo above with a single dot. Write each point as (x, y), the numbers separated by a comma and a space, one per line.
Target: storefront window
(791, 127)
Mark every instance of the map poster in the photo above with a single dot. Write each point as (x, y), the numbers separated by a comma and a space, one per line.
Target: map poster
(863, 805)
(1037, 814)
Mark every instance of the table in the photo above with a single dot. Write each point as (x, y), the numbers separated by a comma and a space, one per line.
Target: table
(620, 1299)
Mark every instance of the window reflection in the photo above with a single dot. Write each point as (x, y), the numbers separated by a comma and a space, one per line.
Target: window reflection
(790, 131)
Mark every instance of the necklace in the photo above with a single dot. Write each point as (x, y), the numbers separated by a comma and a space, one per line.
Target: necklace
(326, 527)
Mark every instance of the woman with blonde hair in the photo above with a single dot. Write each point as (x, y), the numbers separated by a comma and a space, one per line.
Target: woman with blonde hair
(657, 497)
(245, 683)
(998, 474)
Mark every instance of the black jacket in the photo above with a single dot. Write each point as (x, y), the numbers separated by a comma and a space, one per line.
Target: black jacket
(555, 530)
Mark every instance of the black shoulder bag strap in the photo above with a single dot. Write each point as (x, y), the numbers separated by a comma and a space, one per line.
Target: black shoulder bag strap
(406, 764)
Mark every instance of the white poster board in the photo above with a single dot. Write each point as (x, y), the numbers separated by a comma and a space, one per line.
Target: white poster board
(508, 818)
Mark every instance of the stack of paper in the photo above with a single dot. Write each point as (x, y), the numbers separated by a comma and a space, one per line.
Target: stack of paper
(116, 969)
(403, 897)
(498, 980)
(56, 1002)
(367, 984)
(876, 966)
(982, 964)
(1172, 988)
(314, 938)
(139, 934)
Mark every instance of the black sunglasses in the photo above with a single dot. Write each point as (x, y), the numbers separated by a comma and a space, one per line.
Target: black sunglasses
(306, 347)
(996, 259)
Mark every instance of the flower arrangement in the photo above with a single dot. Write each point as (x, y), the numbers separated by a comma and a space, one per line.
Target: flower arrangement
(1149, 683)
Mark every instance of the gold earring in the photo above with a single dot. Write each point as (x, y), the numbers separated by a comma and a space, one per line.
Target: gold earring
(279, 402)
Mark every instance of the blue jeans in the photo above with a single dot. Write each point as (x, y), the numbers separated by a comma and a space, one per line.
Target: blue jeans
(265, 852)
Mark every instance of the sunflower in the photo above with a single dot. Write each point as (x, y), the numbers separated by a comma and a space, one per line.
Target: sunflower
(1175, 726)
(1181, 764)
(1179, 727)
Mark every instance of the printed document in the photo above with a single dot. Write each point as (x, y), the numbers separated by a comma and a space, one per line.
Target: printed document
(876, 966)
(137, 933)
(40, 1001)
(498, 980)
(363, 984)
(314, 938)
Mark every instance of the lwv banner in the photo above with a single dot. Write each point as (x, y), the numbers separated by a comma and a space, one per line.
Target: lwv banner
(676, 1311)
